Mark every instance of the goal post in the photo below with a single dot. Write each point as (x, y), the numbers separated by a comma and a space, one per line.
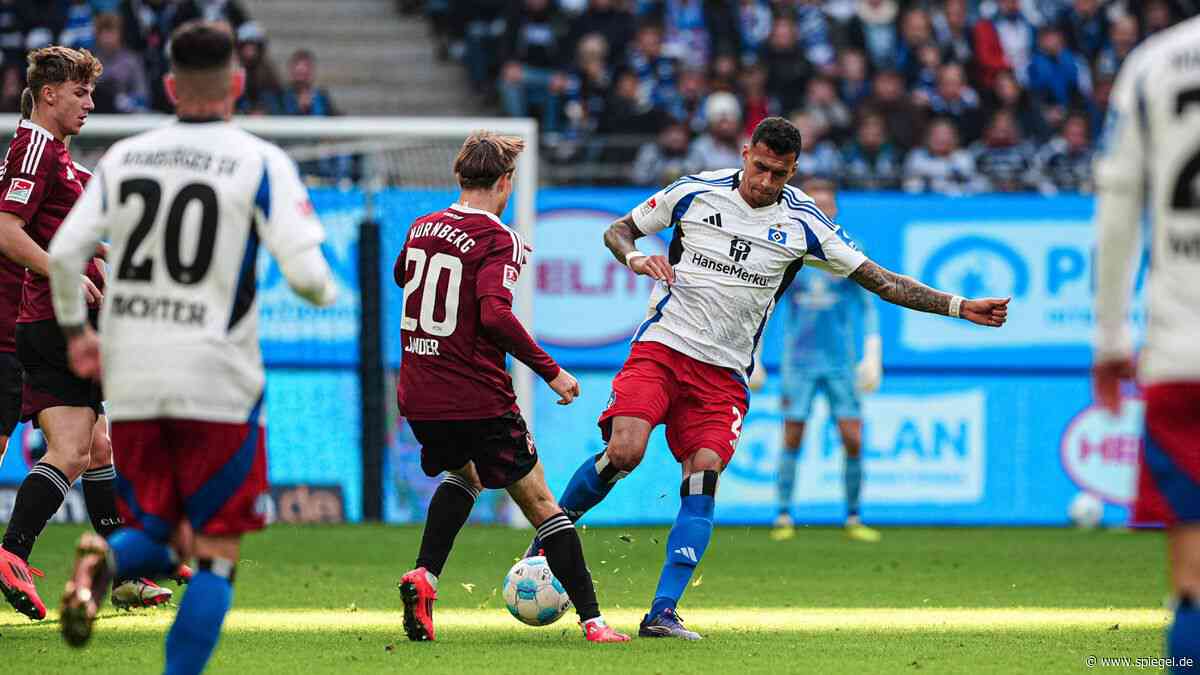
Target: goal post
(391, 156)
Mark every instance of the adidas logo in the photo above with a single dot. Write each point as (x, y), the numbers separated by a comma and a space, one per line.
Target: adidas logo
(688, 552)
(714, 220)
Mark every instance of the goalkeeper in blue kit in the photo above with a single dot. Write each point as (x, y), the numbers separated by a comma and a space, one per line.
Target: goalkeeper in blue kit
(820, 346)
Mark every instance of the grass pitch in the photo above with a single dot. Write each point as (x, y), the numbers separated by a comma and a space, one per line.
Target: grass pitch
(323, 599)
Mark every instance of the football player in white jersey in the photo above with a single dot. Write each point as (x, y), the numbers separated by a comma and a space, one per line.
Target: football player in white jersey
(186, 207)
(739, 237)
(1151, 159)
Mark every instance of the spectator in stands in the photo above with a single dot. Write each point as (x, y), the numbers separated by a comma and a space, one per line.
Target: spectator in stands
(1057, 78)
(588, 87)
(872, 30)
(693, 90)
(1156, 15)
(123, 89)
(818, 156)
(757, 103)
(1017, 35)
(608, 19)
(754, 28)
(905, 121)
(923, 82)
(916, 31)
(664, 160)
(229, 11)
(530, 81)
(485, 25)
(1085, 27)
(988, 52)
(14, 15)
(952, 32)
(147, 25)
(78, 31)
(303, 97)
(724, 74)
(625, 115)
(263, 91)
(1123, 36)
(853, 86)
(788, 69)
(1066, 161)
(1003, 158)
(1007, 95)
(871, 162)
(941, 166)
(686, 36)
(813, 27)
(826, 109)
(958, 102)
(656, 72)
(12, 83)
(720, 147)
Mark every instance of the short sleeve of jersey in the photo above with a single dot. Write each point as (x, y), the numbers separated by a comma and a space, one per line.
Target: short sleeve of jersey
(654, 214)
(500, 268)
(287, 222)
(29, 170)
(835, 252)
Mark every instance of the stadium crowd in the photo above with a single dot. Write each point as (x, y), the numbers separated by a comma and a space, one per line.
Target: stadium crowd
(945, 96)
(130, 36)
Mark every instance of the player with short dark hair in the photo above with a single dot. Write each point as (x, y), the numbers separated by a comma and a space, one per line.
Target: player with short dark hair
(186, 206)
(1149, 164)
(458, 268)
(740, 236)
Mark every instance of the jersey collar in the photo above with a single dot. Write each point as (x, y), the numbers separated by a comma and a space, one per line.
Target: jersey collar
(467, 209)
(37, 128)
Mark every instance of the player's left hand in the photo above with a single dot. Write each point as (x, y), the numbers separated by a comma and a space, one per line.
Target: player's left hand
(985, 311)
(83, 351)
(1106, 382)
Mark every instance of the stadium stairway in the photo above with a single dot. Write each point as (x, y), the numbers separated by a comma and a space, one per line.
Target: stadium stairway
(371, 58)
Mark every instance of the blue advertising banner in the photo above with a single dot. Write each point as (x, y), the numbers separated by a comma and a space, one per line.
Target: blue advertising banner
(936, 450)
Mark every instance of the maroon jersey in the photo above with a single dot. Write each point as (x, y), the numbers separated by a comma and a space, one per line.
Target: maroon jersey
(39, 185)
(12, 277)
(451, 368)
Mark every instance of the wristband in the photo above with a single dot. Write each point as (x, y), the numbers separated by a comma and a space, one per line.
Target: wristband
(956, 306)
(634, 254)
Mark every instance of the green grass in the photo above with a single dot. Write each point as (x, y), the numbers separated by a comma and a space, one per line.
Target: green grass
(323, 599)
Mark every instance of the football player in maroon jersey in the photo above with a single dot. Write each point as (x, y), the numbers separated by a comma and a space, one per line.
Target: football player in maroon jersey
(458, 268)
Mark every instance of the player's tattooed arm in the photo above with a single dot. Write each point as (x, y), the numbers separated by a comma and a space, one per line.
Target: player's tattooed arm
(620, 238)
(901, 290)
(907, 292)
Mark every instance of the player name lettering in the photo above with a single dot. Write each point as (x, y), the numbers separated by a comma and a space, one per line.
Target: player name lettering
(441, 230)
(422, 347)
(1185, 246)
(181, 158)
(732, 270)
(159, 309)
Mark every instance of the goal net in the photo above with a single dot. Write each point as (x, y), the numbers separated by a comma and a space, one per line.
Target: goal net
(337, 449)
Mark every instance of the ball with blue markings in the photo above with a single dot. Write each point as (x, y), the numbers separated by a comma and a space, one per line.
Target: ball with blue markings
(533, 595)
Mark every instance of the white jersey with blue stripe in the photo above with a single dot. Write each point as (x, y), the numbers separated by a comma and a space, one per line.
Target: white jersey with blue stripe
(732, 264)
(1149, 164)
(186, 207)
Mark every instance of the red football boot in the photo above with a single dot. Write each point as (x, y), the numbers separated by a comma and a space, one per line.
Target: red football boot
(418, 589)
(595, 630)
(16, 582)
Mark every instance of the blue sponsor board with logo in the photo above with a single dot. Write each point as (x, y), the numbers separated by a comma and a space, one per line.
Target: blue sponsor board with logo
(949, 450)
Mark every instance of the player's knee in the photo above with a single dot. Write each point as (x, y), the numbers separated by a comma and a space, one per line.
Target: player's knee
(793, 434)
(625, 451)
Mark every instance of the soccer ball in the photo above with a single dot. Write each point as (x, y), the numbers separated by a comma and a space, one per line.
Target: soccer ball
(1086, 510)
(532, 593)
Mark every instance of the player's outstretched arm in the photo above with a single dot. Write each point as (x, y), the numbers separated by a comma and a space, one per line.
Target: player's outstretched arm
(908, 292)
(620, 238)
